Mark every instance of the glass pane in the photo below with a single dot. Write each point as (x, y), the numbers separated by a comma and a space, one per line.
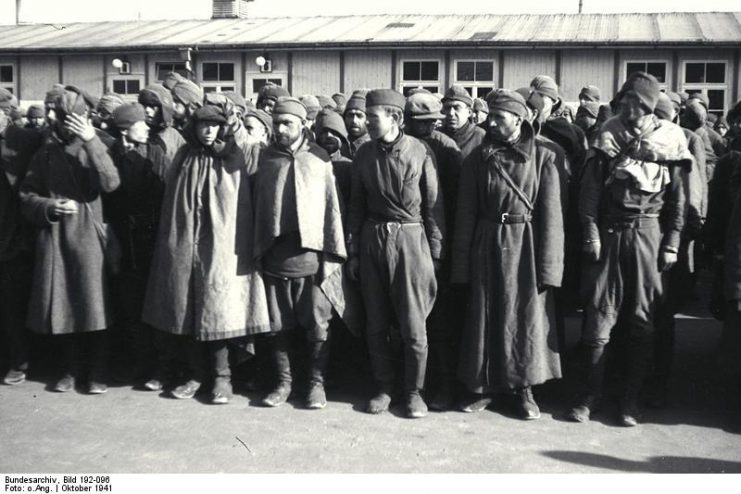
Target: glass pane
(6, 73)
(209, 89)
(692, 91)
(226, 71)
(162, 70)
(469, 89)
(429, 71)
(631, 67)
(411, 71)
(466, 71)
(716, 72)
(657, 70)
(717, 99)
(119, 86)
(484, 71)
(432, 89)
(210, 71)
(258, 84)
(694, 72)
(133, 86)
(227, 88)
(482, 91)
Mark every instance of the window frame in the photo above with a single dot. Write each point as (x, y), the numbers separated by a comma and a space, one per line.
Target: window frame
(161, 62)
(664, 86)
(11, 86)
(128, 96)
(402, 85)
(703, 87)
(218, 85)
(475, 84)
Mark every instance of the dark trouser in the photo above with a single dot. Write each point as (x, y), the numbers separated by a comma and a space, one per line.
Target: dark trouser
(399, 287)
(15, 285)
(626, 284)
(219, 353)
(294, 303)
(85, 353)
(175, 350)
(444, 327)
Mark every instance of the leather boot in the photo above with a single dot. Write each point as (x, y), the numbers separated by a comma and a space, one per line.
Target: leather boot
(589, 401)
(283, 365)
(316, 398)
(527, 407)
(639, 356)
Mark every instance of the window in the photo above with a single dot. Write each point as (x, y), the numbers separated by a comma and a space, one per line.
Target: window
(655, 68)
(258, 84)
(164, 68)
(420, 74)
(710, 79)
(477, 76)
(7, 77)
(217, 76)
(126, 86)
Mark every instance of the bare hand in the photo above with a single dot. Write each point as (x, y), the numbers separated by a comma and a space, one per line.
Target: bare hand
(592, 250)
(63, 207)
(353, 269)
(667, 260)
(80, 126)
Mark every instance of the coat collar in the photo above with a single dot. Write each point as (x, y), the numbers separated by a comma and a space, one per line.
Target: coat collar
(523, 147)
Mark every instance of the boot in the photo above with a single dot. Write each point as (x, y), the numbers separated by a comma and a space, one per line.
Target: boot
(380, 403)
(639, 356)
(316, 398)
(416, 407)
(283, 365)
(186, 391)
(475, 403)
(527, 407)
(590, 399)
(443, 399)
(279, 395)
(65, 384)
(222, 392)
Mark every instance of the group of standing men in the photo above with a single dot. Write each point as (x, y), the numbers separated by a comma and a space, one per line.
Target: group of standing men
(207, 227)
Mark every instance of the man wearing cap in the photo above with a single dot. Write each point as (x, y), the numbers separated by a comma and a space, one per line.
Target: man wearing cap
(631, 206)
(234, 129)
(355, 120)
(331, 136)
(694, 117)
(589, 94)
(299, 247)
(716, 140)
(104, 111)
(203, 283)
(508, 249)
(187, 97)
(395, 240)
(421, 113)
(61, 196)
(259, 126)
(458, 111)
(158, 106)
(586, 119)
(268, 96)
(36, 117)
(480, 112)
(340, 101)
(312, 109)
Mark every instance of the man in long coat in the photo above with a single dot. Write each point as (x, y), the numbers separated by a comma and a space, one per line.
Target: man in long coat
(203, 282)
(508, 247)
(632, 183)
(61, 196)
(299, 244)
(158, 105)
(356, 120)
(396, 233)
(458, 125)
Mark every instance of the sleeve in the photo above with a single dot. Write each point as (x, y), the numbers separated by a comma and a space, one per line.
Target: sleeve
(358, 207)
(465, 222)
(590, 195)
(674, 209)
(34, 193)
(433, 210)
(100, 158)
(549, 222)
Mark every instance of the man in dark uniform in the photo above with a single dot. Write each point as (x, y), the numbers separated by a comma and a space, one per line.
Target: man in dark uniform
(395, 242)
(355, 120)
(458, 111)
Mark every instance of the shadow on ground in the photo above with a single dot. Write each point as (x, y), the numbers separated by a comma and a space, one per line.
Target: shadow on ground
(655, 464)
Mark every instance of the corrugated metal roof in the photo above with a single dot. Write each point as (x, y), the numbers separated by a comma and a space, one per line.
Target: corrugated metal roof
(720, 28)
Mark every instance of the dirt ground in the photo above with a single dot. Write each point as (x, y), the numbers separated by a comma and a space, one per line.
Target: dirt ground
(130, 431)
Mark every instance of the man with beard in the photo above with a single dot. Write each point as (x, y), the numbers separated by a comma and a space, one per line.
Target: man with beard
(458, 111)
(355, 120)
(396, 234)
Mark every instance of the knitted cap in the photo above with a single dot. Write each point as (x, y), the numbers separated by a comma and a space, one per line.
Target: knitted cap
(264, 118)
(546, 86)
(357, 100)
(109, 102)
(311, 103)
(385, 97)
(506, 100)
(35, 111)
(126, 115)
(288, 105)
(188, 93)
(458, 93)
(644, 86)
(326, 102)
(340, 99)
(330, 119)
(273, 92)
(480, 105)
(423, 106)
(589, 93)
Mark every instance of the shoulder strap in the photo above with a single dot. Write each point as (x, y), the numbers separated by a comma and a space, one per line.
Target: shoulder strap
(515, 188)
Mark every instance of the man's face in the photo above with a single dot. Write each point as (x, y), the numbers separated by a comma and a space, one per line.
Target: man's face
(355, 123)
(328, 141)
(287, 128)
(631, 110)
(207, 132)
(153, 115)
(37, 122)
(457, 114)
(585, 122)
(179, 110)
(548, 103)
(420, 128)
(503, 124)
(267, 106)
(256, 129)
(138, 132)
(479, 116)
(380, 122)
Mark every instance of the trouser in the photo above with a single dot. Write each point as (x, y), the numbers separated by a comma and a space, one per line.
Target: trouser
(219, 353)
(399, 289)
(624, 284)
(85, 353)
(15, 286)
(175, 351)
(294, 303)
(443, 334)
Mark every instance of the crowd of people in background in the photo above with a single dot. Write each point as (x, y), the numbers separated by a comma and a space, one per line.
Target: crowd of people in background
(436, 241)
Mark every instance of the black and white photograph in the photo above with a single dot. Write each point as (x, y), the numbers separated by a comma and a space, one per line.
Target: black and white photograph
(285, 237)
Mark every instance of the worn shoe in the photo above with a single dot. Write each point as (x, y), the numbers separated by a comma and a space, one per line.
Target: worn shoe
(629, 413)
(416, 406)
(186, 391)
(278, 396)
(96, 388)
(476, 403)
(65, 384)
(14, 377)
(153, 384)
(527, 407)
(317, 398)
(222, 392)
(583, 411)
(379, 403)
(443, 399)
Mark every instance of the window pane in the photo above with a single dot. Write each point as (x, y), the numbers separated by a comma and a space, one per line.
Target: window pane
(210, 72)
(6, 73)
(133, 86)
(258, 84)
(466, 71)
(631, 67)
(119, 86)
(411, 71)
(482, 91)
(162, 70)
(657, 70)
(484, 71)
(716, 72)
(716, 98)
(469, 89)
(432, 89)
(692, 91)
(226, 71)
(209, 89)
(694, 72)
(429, 71)
(224, 89)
